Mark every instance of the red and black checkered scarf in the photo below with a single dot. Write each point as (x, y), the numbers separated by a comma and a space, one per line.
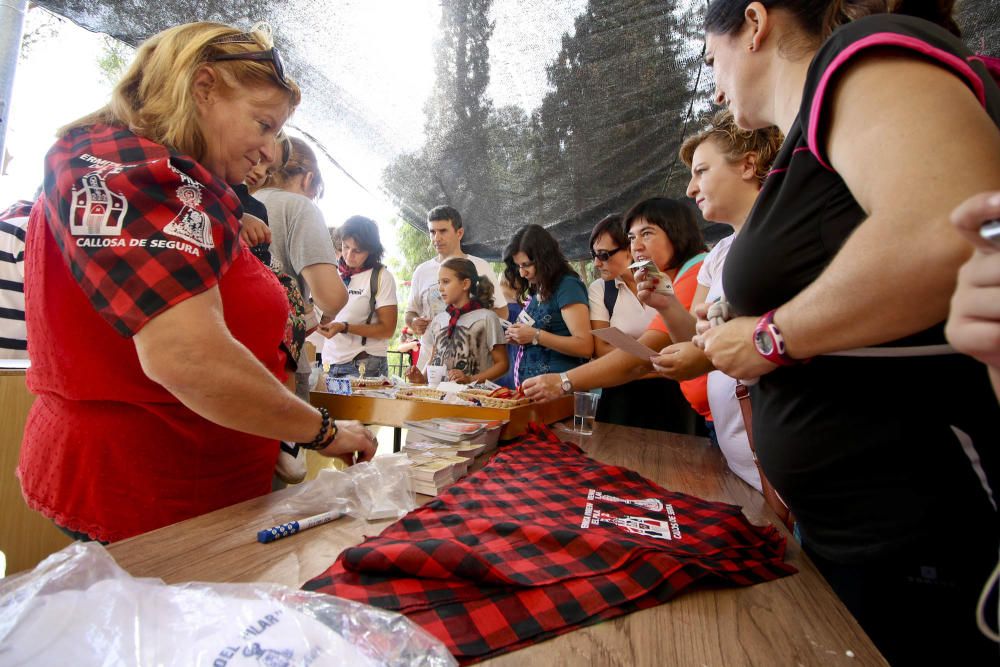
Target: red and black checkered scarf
(544, 540)
(347, 271)
(455, 313)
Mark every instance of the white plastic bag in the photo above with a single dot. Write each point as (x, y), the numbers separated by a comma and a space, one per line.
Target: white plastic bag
(378, 489)
(79, 608)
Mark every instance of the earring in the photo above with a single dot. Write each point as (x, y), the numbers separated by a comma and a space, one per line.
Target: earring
(750, 48)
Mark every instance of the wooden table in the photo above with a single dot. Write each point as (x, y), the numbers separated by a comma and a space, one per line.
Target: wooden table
(394, 411)
(796, 620)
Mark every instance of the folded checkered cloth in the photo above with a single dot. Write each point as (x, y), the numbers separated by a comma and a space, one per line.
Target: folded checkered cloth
(544, 540)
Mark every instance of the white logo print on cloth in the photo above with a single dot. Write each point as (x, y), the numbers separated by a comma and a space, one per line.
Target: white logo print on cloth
(95, 209)
(190, 223)
(661, 529)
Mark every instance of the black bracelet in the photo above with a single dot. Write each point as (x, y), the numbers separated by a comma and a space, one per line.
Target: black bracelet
(324, 437)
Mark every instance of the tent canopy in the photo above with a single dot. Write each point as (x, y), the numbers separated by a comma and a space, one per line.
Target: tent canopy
(556, 112)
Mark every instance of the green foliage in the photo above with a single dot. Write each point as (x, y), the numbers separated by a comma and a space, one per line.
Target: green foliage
(414, 249)
(114, 59)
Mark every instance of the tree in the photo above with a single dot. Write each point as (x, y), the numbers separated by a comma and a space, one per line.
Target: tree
(414, 249)
(622, 88)
(114, 59)
(604, 137)
(453, 166)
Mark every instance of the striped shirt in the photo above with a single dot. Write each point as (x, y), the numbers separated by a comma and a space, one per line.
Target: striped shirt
(13, 335)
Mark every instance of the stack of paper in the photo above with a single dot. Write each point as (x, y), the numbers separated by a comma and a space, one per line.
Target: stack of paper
(453, 430)
(441, 450)
(467, 450)
(490, 437)
(432, 469)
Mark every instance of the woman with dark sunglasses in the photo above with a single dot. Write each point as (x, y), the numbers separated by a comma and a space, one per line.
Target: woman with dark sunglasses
(173, 404)
(613, 300)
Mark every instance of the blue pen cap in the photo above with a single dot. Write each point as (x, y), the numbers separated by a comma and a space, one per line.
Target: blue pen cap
(277, 532)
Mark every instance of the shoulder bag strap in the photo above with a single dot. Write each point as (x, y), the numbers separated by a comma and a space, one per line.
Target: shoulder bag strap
(372, 290)
(771, 496)
(610, 297)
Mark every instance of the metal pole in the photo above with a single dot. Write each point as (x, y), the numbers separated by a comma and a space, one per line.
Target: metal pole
(12, 17)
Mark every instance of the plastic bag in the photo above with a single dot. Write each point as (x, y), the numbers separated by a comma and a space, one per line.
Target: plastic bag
(377, 489)
(79, 608)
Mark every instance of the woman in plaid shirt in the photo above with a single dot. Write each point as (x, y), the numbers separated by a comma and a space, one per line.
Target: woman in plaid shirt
(157, 360)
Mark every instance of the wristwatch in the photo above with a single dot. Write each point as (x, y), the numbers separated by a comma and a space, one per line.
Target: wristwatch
(769, 342)
(567, 386)
(345, 327)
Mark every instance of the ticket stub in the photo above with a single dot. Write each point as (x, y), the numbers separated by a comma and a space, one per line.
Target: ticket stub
(664, 286)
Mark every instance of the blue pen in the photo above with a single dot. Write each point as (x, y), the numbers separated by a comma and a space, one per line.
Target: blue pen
(285, 529)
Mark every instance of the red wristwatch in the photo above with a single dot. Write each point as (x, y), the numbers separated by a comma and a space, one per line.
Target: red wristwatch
(769, 342)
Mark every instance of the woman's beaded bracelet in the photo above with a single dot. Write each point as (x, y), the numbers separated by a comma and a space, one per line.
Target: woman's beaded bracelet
(327, 433)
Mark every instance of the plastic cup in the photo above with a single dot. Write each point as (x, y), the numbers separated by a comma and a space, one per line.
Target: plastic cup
(584, 411)
(436, 374)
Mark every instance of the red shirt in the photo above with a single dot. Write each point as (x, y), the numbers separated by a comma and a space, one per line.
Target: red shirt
(124, 231)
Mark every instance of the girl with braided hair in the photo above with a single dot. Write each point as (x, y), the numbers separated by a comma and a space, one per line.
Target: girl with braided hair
(467, 337)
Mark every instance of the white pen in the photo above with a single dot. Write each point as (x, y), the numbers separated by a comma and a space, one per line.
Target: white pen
(285, 529)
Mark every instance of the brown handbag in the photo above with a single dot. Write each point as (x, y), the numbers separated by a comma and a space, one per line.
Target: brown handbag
(771, 496)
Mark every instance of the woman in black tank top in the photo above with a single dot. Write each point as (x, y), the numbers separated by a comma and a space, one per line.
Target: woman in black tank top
(884, 443)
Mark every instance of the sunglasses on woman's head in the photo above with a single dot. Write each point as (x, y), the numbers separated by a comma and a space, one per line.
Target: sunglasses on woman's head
(604, 255)
(271, 55)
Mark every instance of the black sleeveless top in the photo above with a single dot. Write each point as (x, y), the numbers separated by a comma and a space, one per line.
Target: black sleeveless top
(872, 454)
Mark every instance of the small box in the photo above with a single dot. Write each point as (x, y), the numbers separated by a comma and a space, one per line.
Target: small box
(341, 386)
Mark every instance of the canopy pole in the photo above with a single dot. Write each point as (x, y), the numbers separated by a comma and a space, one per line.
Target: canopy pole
(12, 14)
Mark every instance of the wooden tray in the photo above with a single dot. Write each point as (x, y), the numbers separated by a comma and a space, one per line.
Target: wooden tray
(394, 411)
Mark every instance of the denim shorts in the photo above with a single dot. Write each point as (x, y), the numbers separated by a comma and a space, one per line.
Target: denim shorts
(374, 367)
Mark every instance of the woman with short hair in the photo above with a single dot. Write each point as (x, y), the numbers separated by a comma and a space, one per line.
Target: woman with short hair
(663, 232)
(649, 402)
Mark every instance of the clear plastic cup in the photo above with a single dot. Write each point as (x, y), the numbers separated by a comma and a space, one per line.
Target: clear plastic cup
(584, 411)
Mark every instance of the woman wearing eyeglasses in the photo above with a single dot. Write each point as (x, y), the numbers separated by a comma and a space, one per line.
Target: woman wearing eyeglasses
(553, 330)
(156, 351)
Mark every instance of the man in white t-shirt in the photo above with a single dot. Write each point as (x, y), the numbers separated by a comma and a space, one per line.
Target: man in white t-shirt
(444, 223)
